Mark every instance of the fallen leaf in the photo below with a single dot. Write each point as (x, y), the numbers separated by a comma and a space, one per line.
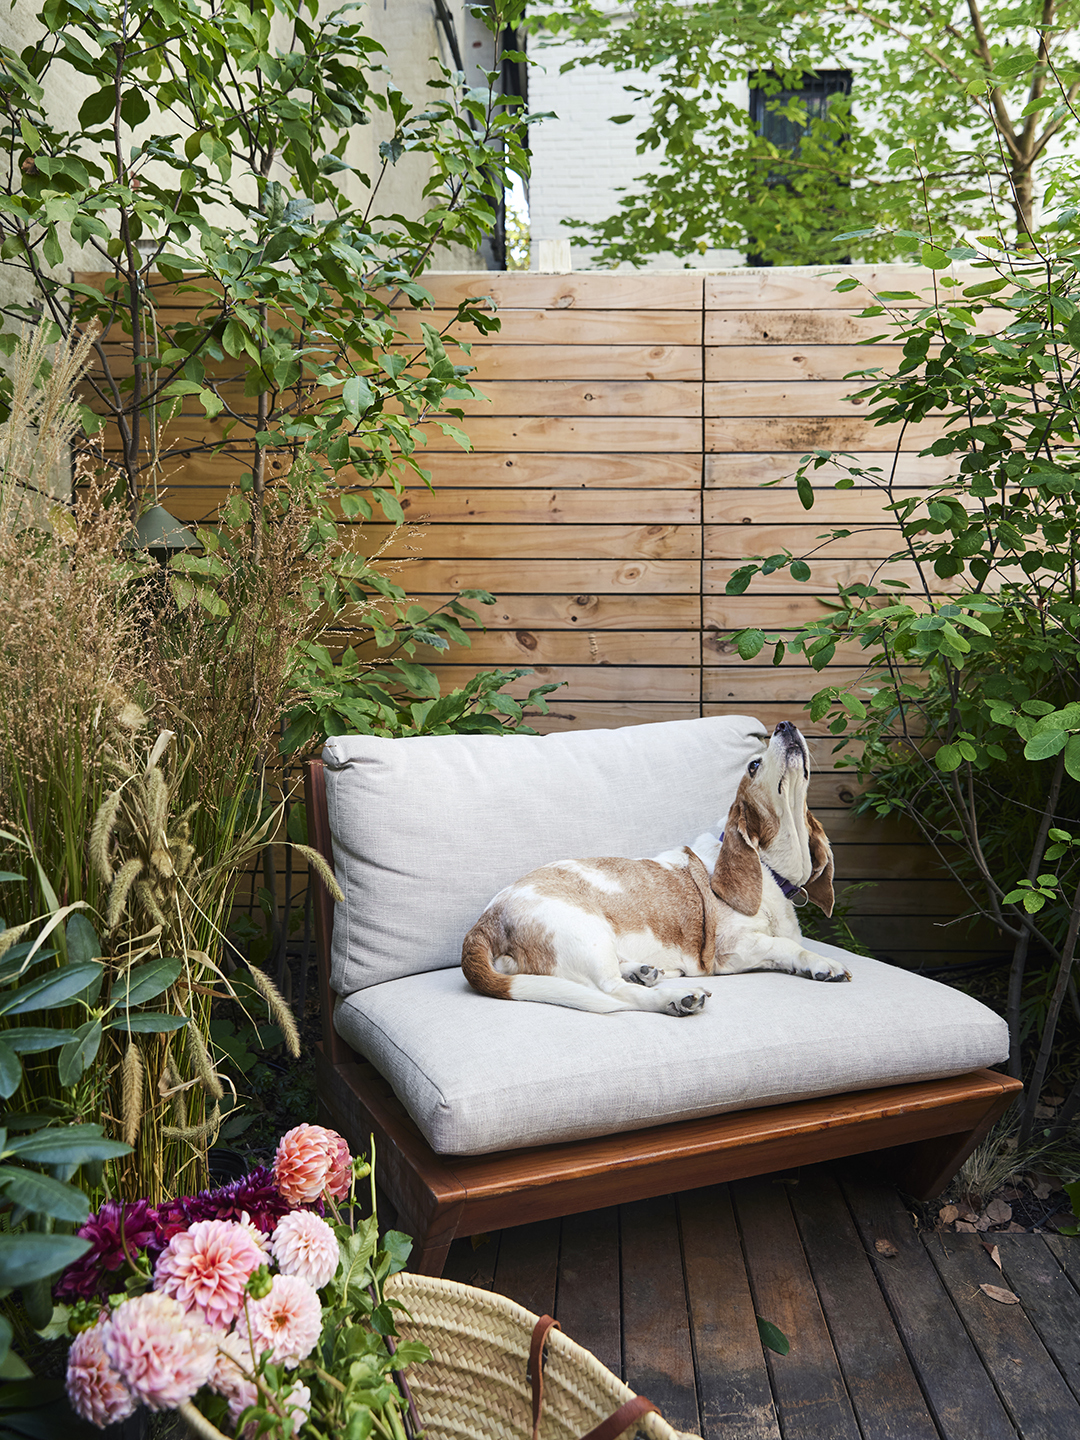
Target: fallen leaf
(886, 1248)
(1000, 1294)
(983, 1223)
(1052, 1099)
(1043, 1190)
(948, 1213)
(965, 1227)
(998, 1212)
(966, 1212)
(994, 1253)
(1015, 1229)
(1044, 1112)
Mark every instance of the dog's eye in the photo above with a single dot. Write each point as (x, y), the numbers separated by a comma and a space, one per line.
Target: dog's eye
(753, 767)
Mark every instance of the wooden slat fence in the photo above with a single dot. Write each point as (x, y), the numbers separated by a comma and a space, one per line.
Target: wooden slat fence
(614, 485)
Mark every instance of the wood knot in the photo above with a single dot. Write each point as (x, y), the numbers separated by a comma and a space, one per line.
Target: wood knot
(526, 640)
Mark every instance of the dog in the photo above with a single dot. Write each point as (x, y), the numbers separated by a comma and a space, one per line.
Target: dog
(611, 934)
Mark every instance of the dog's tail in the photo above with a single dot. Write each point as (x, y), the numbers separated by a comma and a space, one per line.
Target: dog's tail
(499, 977)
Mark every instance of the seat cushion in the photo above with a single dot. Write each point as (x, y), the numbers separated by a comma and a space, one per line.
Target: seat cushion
(426, 830)
(478, 1074)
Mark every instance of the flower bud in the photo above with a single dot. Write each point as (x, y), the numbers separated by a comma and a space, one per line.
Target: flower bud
(259, 1283)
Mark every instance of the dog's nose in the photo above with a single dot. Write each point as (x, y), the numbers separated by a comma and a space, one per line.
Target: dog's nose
(783, 726)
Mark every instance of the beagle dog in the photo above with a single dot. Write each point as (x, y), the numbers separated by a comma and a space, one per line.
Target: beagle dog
(612, 934)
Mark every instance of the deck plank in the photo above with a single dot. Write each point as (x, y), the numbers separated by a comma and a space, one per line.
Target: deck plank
(884, 1391)
(807, 1383)
(1041, 1404)
(588, 1301)
(1051, 1302)
(733, 1379)
(958, 1390)
(526, 1269)
(657, 1351)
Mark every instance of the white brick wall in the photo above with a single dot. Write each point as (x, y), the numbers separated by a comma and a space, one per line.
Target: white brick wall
(580, 158)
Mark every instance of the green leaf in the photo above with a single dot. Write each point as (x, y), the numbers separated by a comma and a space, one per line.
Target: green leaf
(82, 939)
(800, 570)
(948, 758)
(51, 990)
(79, 1053)
(1043, 745)
(30, 1256)
(750, 643)
(66, 1145)
(357, 396)
(11, 1070)
(1072, 756)
(772, 1337)
(42, 1195)
(32, 1039)
(147, 981)
(934, 259)
(149, 1022)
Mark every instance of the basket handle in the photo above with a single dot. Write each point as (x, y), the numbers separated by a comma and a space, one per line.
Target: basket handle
(611, 1428)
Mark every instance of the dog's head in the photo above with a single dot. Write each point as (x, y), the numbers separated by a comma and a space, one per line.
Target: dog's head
(770, 822)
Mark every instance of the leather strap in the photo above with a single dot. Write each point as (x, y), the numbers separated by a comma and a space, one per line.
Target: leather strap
(535, 1373)
(627, 1414)
(610, 1429)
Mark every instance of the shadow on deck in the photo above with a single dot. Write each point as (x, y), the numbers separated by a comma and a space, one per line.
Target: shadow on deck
(884, 1345)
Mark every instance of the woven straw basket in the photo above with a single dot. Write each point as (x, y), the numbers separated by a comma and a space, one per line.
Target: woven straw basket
(475, 1385)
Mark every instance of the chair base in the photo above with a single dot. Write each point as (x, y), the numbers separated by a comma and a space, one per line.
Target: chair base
(920, 1133)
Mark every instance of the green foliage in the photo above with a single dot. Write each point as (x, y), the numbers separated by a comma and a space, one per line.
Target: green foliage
(977, 96)
(966, 712)
(209, 157)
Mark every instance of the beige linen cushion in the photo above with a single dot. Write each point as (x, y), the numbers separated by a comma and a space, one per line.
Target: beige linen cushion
(427, 830)
(478, 1074)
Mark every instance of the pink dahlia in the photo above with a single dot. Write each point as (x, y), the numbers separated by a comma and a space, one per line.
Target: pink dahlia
(162, 1354)
(286, 1322)
(207, 1267)
(305, 1245)
(309, 1160)
(94, 1388)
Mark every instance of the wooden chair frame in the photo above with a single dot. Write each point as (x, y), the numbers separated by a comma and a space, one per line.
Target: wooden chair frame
(920, 1132)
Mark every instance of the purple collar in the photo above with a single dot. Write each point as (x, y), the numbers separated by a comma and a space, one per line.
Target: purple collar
(787, 887)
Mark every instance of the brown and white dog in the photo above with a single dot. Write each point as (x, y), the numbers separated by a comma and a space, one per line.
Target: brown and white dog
(612, 934)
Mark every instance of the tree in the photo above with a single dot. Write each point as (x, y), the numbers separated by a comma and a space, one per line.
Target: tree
(977, 94)
(212, 155)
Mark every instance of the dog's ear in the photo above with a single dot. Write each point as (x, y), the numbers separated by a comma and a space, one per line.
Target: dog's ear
(736, 876)
(819, 888)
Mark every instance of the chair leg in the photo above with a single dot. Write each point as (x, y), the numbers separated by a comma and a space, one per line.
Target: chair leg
(924, 1168)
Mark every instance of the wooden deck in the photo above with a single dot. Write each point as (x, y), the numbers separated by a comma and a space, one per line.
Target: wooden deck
(884, 1345)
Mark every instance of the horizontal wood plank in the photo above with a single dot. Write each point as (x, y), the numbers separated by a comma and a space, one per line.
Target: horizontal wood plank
(583, 506)
(571, 327)
(825, 576)
(529, 289)
(739, 684)
(583, 612)
(592, 715)
(753, 470)
(803, 326)
(585, 397)
(796, 287)
(797, 362)
(583, 362)
(574, 577)
(564, 470)
(633, 434)
(862, 505)
(869, 541)
(567, 647)
(627, 683)
(535, 542)
(784, 397)
(825, 432)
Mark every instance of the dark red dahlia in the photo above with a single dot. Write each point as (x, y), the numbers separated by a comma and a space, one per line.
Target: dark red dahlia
(118, 1234)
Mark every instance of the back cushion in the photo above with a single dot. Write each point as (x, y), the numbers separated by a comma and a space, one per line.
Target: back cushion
(426, 830)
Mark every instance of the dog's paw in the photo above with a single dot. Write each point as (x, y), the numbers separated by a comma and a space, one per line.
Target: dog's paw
(820, 968)
(688, 1004)
(643, 975)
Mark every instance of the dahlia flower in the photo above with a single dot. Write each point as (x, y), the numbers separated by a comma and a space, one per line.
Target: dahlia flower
(94, 1388)
(287, 1322)
(207, 1267)
(230, 1375)
(309, 1160)
(252, 1199)
(306, 1246)
(116, 1227)
(163, 1354)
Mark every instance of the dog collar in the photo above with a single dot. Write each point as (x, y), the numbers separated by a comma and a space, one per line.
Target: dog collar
(787, 887)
